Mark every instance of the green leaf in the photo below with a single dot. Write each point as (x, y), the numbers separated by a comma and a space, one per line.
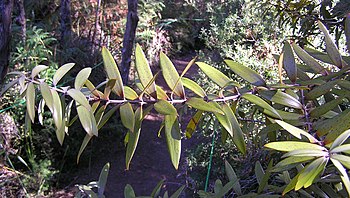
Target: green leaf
(127, 116)
(171, 76)
(309, 60)
(289, 62)
(86, 140)
(337, 126)
(165, 108)
(281, 98)
(157, 189)
(102, 181)
(173, 138)
(296, 132)
(233, 177)
(343, 174)
(291, 160)
(106, 117)
(134, 137)
(246, 73)
(112, 71)
(144, 71)
(217, 76)
(178, 192)
(30, 100)
(46, 93)
(293, 145)
(192, 124)
(87, 120)
(193, 86)
(341, 148)
(306, 153)
(161, 94)
(321, 90)
(57, 109)
(130, 94)
(60, 132)
(265, 179)
(81, 78)
(9, 85)
(340, 139)
(129, 192)
(343, 159)
(259, 172)
(92, 88)
(331, 48)
(109, 87)
(218, 186)
(37, 69)
(61, 72)
(237, 135)
(260, 102)
(323, 109)
(67, 114)
(291, 185)
(310, 172)
(200, 104)
(79, 97)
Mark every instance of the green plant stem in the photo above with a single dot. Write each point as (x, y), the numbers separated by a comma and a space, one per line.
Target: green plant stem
(210, 158)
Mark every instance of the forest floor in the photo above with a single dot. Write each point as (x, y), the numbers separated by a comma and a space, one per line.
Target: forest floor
(151, 162)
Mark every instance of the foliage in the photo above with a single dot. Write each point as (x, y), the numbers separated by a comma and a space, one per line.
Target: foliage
(129, 191)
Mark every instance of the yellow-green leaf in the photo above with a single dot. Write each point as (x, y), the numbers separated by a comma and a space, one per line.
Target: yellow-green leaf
(246, 73)
(61, 72)
(322, 109)
(30, 100)
(343, 174)
(289, 62)
(133, 137)
(296, 132)
(192, 124)
(171, 76)
(46, 93)
(217, 76)
(86, 140)
(310, 172)
(130, 94)
(127, 116)
(108, 88)
(161, 93)
(331, 48)
(173, 139)
(106, 117)
(200, 104)
(309, 60)
(57, 113)
(112, 71)
(79, 97)
(87, 120)
(290, 161)
(165, 108)
(233, 177)
(92, 88)
(193, 86)
(37, 69)
(60, 133)
(281, 98)
(81, 78)
(340, 139)
(144, 71)
(292, 145)
(261, 103)
(343, 159)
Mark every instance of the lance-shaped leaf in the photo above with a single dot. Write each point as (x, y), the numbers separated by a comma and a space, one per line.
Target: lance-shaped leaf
(86, 140)
(30, 100)
(200, 104)
(289, 62)
(37, 69)
(237, 136)
(161, 93)
(291, 161)
(41, 111)
(112, 71)
(11, 84)
(293, 145)
(46, 93)
(165, 108)
(129, 192)
(343, 159)
(171, 76)
(130, 93)
(144, 71)
(322, 109)
(87, 120)
(306, 153)
(67, 114)
(309, 60)
(61, 72)
(81, 78)
(340, 139)
(79, 97)
(92, 88)
(133, 137)
(321, 90)
(178, 192)
(102, 180)
(109, 86)
(157, 189)
(281, 98)
(343, 174)
(331, 48)
(310, 172)
(246, 73)
(233, 177)
(261, 103)
(333, 127)
(296, 132)
(280, 66)
(265, 178)
(193, 86)
(57, 113)
(107, 116)
(192, 124)
(217, 76)
(173, 138)
(60, 133)
(127, 116)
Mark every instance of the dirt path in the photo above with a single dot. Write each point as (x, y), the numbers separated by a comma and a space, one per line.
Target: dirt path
(151, 162)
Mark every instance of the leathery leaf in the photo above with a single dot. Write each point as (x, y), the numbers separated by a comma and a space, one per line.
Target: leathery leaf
(173, 138)
(112, 71)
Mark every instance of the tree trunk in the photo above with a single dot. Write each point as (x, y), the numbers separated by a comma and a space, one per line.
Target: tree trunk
(129, 37)
(21, 19)
(66, 22)
(6, 7)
